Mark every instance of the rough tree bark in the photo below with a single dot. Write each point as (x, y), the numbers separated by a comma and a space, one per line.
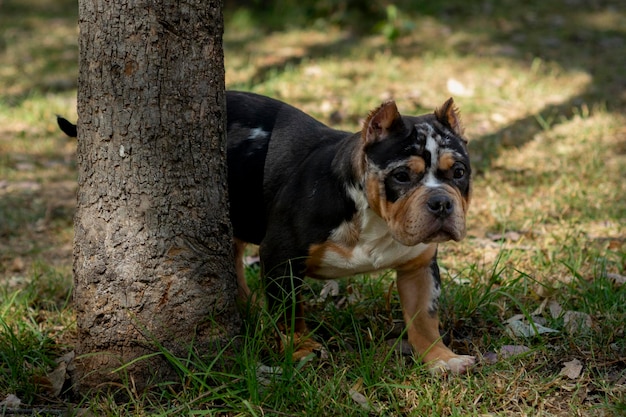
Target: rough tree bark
(152, 250)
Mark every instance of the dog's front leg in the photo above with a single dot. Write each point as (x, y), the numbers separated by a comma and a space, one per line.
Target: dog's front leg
(419, 287)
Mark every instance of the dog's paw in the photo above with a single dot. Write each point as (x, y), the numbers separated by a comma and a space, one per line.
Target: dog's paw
(306, 348)
(301, 346)
(458, 364)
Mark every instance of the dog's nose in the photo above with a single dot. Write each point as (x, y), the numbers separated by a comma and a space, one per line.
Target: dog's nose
(440, 205)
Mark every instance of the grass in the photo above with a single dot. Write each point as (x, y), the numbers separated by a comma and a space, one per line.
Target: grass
(542, 92)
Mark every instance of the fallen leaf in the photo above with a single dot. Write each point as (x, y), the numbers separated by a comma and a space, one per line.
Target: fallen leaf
(354, 295)
(490, 358)
(510, 236)
(84, 412)
(517, 317)
(54, 381)
(572, 369)
(360, 399)
(508, 351)
(17, 265)
(10, 401)
(330, 288)
(555, 309)
(617, 278)
(520, 329)
(455, 87)
(539, 310)
(265, 374)
(577, 322)
(251, 260)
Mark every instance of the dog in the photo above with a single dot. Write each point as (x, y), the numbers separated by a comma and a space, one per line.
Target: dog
(326, 204)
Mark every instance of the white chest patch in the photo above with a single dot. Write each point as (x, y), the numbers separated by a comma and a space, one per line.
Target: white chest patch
(374, 250)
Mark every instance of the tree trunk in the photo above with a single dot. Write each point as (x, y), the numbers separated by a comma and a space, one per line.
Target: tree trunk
(153, 243)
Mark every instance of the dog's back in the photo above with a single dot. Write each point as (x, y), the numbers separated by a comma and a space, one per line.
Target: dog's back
(268, 141)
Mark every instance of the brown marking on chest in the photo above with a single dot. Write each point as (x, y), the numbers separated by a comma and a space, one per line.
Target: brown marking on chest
(422, 261)
(375, 249)
(317, 253)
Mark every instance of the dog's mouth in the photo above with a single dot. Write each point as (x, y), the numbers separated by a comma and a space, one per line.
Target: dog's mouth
(449, 230)
(437, 231)
(441, 236)
(438, 237)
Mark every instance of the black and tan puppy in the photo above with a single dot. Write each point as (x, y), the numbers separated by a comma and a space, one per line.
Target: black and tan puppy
(326, 204)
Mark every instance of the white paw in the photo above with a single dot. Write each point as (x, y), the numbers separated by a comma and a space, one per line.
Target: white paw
(457, 364)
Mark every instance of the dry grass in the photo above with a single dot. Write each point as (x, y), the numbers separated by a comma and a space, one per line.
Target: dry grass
(542, 90)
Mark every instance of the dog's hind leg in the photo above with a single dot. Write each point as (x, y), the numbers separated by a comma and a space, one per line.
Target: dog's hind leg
(284, 301)
(244, 294)
(419, 288)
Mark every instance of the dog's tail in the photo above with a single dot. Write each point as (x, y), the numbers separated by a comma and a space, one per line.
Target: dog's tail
(67, 127)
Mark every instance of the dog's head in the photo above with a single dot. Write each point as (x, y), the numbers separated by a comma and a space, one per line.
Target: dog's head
(416, 173)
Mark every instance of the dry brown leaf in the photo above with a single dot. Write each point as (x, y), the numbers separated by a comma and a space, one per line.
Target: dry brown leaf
(555, 309)
(518, 328)
(55, 380)
(18, 265)
(354, 295)
(511, 235)
(542, 307)
(617, 278)
(577, 322)
(330, 288)
(360, 399)
(11, 401)
(265, 374)
(572, 369)
(505, 351)
(490, 358)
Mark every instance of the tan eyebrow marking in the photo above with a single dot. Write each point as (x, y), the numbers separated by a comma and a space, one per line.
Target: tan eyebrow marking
(417, 164)
(446, 160)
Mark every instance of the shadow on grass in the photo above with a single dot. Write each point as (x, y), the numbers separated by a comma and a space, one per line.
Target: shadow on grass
(575, 34)
(32, 64)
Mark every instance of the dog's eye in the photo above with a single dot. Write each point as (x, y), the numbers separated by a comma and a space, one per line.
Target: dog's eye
(459, 171)
(401, 176)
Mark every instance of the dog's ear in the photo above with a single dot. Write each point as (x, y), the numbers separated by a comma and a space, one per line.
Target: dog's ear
(379, 122)
(448, 115)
